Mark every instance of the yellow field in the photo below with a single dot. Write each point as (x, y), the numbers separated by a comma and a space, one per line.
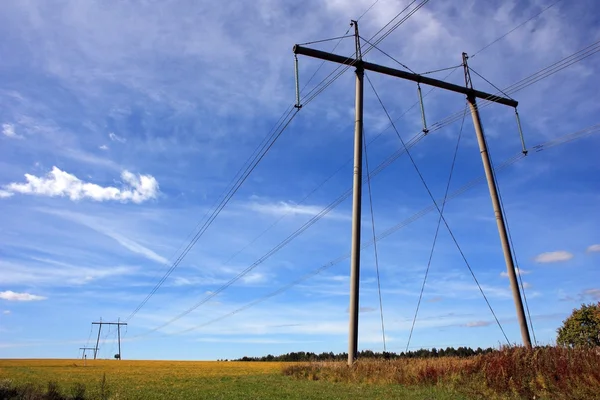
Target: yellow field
(191, 380)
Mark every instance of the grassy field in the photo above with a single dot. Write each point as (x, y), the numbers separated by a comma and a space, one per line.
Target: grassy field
(196, 380)
(553, 373)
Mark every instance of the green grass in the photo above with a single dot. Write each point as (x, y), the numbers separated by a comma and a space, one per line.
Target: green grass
(197, 380)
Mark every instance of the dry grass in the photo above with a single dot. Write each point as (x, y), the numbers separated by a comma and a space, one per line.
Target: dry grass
(512, 373)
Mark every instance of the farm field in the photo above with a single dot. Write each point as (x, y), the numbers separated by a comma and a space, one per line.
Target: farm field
(196, 380)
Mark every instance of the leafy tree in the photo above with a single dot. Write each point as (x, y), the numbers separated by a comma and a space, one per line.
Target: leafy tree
(582, 328)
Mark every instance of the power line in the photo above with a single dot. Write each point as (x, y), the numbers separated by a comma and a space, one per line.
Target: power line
(436, 126)
(284, 124)
(232, 191)
(567, 61)
(510, 161)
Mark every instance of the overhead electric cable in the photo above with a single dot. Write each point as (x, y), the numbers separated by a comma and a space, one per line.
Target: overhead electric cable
(510, 161)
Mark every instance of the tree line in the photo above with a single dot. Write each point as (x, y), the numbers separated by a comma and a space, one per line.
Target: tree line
(421, 353)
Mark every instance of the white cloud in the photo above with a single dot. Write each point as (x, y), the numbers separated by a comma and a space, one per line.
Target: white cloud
(254, 277)
(8, 130)
(554, 256)
(526, 285)
(14, 296)
(4, 194)
(103, 147)
(60, 183)
(6, 312)
(477, 324)
(116, 138)
(517, 270)
(593, 248)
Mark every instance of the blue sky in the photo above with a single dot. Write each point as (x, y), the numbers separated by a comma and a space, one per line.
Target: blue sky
(124, 122)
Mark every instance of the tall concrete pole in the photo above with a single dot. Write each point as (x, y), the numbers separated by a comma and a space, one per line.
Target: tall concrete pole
(356, 207)
(97, 340)
(489, 174)
(119, 338)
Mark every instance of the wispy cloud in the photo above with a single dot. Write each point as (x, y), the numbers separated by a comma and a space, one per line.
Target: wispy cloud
(519, 271)
(60, 183)
(15, 296)
(593, 248)
(115, 138)
(4, 194)
(554, 256)
(8, 130)
(477, 324)
(103, 147)
(591, 294)
(100, 227)
(282, 208)
(6, 312)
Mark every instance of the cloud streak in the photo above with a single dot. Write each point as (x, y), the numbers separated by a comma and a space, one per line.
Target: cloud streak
(58, 183)
(595, 248)
(15, 296)
(8, 130)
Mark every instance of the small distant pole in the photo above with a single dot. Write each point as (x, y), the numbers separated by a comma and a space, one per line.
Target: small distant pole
(118, 324)
(84, 359)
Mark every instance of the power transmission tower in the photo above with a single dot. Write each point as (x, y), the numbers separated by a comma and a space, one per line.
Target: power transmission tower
(84, 349)
(472, 95)
(118, 324)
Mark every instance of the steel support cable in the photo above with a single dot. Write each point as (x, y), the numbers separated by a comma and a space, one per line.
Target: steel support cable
(374, 243)
(259, 156)
(439, 211)
(510, 161)
(389, 56)
(437, 228)
(327, 40)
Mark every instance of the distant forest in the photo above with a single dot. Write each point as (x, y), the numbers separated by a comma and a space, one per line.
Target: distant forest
(422, 353)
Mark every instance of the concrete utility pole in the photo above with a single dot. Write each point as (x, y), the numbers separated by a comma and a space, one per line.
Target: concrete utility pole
(491, 180)
(471, 94)
(356, 205)
(118, 324)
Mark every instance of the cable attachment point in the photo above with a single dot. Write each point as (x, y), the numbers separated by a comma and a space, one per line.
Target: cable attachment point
(425, 130)
(524, 151)
(297, 105)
